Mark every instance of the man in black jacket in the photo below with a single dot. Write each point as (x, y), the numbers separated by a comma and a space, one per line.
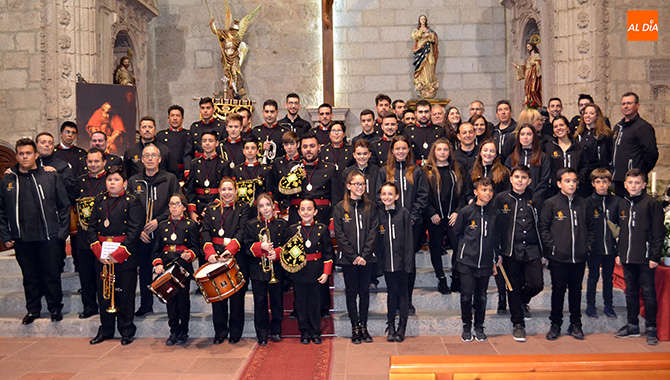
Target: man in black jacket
(292, 121)
(132, 159)
(175, 138)
(34, 219)
(566, 227)
(153, 187)
(634, 143)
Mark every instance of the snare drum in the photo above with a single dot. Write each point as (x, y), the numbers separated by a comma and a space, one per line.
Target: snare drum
(220, 280)
(168, 284)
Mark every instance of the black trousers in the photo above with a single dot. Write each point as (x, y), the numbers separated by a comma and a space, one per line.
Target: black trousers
(437, 234)
(640, 277)
(145, 274)
(226, 321)
(357, 285)
(40, 264)
(179, 310)
(417, 231)
(74, 251)
(307, 297)
(474, 283)
(594, 263)
(124, 300)
(88, 278)
(566, 277)
(264, 292)
(527, 282)
(397, 297)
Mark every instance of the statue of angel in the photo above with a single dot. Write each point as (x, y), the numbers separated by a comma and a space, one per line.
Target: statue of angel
(233, 49)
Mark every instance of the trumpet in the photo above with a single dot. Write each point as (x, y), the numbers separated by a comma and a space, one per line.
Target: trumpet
(271, 153)
(108, 279)
(266, 263)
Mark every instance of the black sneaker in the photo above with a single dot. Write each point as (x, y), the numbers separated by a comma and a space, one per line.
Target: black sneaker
(591, 312)
(526, 312)
(628, 331)
(467, 333)
(519, 333)
(609, 312)
(479, 334)
(554, 332)
(652, 338)
(182, 339)
(442, 286)
(576, 331)
(172, 340)
(411, 310)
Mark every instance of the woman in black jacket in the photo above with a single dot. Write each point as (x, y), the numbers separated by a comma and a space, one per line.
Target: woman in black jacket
(445, 184)
(356, 223)
(528, 152)
(564, 152)
(396, 250)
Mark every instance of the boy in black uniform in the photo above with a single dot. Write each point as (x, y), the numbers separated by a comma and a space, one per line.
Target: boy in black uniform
(477, 256)
(521, 245)
(117, 217)
(87, 187)
(232, 145)
(566, 227)
(251, 174)
(35, 219)
(370, 132)
(606, 209)
(640, 241)
(380, 148)
(177, 239)
(424, 133)
(269, 132)
(319, 265)
(153, 187)
(207, 122)
(175, 137)
(281, 166)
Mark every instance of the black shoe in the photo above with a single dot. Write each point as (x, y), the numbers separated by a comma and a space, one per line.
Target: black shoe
(411, 310)
(56, 316)
(126, 340)
(502, 304)
(480, 336)
(526, 312)
(576, 331)
(609, 312)
(262, 342)
(141, 312)
(466, 336)
(554, 332)
(304, 339)
(356, 335)
(275, 337)
(316, 339)
(87, 314)
(365, 335)
(182, 339)
(29, 318)
(98, 339)
(219, 339)
(400, 334)
(390, 331)
(628, 331)
(234, 340)
(652, 337)
(172, 340)
(325, 313)
(442, 286)
(591, 312)
(519, 333)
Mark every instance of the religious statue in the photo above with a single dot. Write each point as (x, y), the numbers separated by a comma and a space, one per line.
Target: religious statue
(122, 74)
(233, 50)
(425, 59)
(532, 73)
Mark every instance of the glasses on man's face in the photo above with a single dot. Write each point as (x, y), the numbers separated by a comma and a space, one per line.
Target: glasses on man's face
(335, 131)
(358, 184)
(153, 156)
(175, 204)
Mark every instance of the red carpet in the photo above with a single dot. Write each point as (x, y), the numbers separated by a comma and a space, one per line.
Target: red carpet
(289, 359)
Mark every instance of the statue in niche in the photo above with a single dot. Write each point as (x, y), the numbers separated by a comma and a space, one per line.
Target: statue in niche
(425, 54)
(233, 51)
(531, 72)
(122, 73)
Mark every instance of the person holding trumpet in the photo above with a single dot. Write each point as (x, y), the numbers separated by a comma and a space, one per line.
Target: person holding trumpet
(117, 217)
(221, 237)
(264, 236)
(177, 239)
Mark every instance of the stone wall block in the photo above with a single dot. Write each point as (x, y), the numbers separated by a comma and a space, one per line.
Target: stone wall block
(380, 83)
(7, 41)
(396, 66)
(459, 65)
(360, 5)
(395, 4)
(395, 33)
(475, 15)
(347, 19)
(483, 81)
(350, 83)
(363, 34)
(427, 4)
(15, 60)
(11, 79)
(378, 17)
(381, 50)
(363, 67)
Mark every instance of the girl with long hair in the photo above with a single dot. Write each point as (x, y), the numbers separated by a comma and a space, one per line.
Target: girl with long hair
(487, 164)
(356, 223)
(445, 183)
(527, 152)
(563, 151)
(482, 132)
(596, 137)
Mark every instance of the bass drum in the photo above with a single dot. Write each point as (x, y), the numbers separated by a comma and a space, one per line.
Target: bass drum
(220, 280)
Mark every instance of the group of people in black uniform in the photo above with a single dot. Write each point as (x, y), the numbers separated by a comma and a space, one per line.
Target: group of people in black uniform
(506, 199)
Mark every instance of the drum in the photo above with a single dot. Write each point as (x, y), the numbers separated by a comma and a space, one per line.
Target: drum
(220, 280)
(168, 284)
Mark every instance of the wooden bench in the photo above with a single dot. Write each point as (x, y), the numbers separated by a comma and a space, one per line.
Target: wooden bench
(637, 366)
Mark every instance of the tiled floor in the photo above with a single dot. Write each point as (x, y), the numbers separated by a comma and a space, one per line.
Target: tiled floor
(148, 359)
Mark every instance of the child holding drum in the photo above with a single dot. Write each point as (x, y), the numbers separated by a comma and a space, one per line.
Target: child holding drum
(264, 236)
(176, 243)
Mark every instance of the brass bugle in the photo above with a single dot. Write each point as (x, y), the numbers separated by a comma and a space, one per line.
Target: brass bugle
(266, 263)
(108, 281)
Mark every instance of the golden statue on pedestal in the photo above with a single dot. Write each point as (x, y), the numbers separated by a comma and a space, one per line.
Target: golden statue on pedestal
(233, 50)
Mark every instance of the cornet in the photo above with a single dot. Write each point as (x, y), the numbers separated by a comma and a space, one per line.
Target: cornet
(271, 153)
(108, 279)
(266, 263)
